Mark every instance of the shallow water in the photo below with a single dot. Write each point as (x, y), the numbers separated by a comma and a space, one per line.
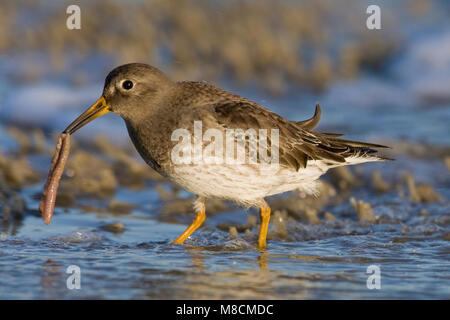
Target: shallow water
(313, 261)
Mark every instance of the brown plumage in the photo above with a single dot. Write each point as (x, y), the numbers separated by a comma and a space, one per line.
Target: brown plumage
(154, 107)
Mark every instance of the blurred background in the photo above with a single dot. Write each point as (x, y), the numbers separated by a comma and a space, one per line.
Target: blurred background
(389, 86)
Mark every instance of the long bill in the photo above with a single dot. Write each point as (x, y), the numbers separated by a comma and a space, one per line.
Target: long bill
(99, 108)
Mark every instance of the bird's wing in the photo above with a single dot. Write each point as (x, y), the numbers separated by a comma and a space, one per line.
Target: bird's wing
(297, 145)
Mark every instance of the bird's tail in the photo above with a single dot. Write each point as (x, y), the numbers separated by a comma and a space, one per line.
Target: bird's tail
(342, 151)
(358, 152)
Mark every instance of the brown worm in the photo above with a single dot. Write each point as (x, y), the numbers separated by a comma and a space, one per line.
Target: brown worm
(59, 160)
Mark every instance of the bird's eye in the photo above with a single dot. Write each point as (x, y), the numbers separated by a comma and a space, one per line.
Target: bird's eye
(127, 84)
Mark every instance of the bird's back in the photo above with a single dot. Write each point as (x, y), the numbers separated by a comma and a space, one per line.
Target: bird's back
(299, 142)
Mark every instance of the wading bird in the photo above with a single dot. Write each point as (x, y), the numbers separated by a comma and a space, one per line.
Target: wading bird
(153, 107)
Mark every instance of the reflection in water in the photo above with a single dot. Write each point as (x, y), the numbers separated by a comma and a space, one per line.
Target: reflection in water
(197, 259)
(262, 260)
(51, 280)
(253, 283)
(247, 279)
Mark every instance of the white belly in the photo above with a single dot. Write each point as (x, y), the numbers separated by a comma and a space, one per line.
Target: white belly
(246, 184)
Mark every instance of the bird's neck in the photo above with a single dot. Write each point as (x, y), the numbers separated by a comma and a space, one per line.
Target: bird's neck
(149, 134)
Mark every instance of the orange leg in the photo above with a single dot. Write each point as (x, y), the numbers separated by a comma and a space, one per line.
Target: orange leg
(199, 219)
(265, 217)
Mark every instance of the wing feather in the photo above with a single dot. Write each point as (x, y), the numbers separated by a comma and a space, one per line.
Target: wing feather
(297, 143)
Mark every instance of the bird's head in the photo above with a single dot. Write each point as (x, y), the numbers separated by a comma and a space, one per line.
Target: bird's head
(129, 91)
